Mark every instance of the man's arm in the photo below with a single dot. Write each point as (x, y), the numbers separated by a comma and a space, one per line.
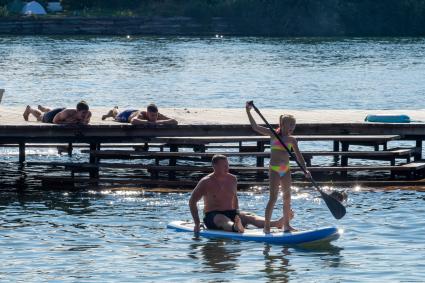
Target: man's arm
(87, 119)
(138, 121)
(167, 122)
(235, 197)
(197, 194)
(164, 120)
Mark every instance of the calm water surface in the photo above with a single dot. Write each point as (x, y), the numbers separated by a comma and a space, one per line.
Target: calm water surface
(208, 72)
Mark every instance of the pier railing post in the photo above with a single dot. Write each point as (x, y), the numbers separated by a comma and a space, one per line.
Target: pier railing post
(69, 149)
(418, 154)
(336, 149)
(21, 153)
(94, 159)
(173, 161)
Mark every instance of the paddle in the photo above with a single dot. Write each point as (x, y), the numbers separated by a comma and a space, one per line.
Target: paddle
(336, 207)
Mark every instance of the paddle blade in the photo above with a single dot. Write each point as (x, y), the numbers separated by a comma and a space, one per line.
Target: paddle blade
(336, 208)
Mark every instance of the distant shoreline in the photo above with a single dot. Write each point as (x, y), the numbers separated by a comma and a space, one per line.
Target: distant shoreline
(177, 26)
(114, 26)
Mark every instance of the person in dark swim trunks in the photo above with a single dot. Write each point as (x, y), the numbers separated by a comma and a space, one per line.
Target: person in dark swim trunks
(137, 117)
(80, 115)
(209, 218)
(221, 206)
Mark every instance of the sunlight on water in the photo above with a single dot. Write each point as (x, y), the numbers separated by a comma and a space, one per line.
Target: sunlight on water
(110, 236)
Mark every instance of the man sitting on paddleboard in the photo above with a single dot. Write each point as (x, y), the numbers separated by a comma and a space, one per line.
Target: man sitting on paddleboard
(221, 207)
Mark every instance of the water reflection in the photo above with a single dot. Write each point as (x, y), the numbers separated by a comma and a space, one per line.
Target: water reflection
(276, 267)
(218, 255)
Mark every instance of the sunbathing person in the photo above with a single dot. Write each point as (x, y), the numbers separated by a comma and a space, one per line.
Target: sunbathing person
(80, 115)
(138, 117)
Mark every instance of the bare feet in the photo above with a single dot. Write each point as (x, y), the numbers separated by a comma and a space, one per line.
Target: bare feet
(289, 228)
(107, 115)
(238, 225)
(280, 223)
(266, 228)
(42, 108)
(110, 113)
(27, 112)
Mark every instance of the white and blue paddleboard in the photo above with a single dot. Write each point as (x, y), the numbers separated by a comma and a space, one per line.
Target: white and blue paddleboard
(293, 238)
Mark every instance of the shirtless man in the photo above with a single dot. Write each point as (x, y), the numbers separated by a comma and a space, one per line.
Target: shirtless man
(219, 190)
(137, 117)
(80, 115)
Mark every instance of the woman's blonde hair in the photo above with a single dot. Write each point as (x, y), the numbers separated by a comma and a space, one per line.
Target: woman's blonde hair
(287, 119)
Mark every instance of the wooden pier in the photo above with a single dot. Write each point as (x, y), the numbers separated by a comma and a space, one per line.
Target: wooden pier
(177, 156)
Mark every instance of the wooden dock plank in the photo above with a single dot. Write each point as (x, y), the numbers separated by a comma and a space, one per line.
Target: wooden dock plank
(403, 167)
(130, 153)
(390, 184)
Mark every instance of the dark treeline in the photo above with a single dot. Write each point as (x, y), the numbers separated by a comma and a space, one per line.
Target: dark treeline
(282, 17)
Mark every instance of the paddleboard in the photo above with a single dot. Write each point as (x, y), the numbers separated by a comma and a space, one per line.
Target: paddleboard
(327, 234)
(388, 118)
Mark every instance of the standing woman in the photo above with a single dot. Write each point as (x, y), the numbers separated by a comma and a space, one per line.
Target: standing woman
(279, 168)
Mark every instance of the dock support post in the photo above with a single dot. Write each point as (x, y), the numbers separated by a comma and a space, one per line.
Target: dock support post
(69, 149)
(336, 149)
(260, 148)
(173, 161)
(344, 159)
(94, 159)
(260, 160)
(21, 153)
(418, 154)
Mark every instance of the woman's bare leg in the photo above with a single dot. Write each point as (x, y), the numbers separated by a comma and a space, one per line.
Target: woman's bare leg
(286, 182)
(274, 193)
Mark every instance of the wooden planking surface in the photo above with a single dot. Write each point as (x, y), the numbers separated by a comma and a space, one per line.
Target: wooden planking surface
(167, 154)
(404, 167)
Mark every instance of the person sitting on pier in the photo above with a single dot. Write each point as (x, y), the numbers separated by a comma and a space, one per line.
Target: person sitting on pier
(80, 115)
(221, 207)
(138, 117)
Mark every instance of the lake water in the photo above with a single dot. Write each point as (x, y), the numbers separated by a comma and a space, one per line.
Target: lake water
(120, 236)
(208, 72)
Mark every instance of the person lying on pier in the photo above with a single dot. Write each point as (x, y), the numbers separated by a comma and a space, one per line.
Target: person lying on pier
(80, 115)
(138, 117)
(221, 206)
